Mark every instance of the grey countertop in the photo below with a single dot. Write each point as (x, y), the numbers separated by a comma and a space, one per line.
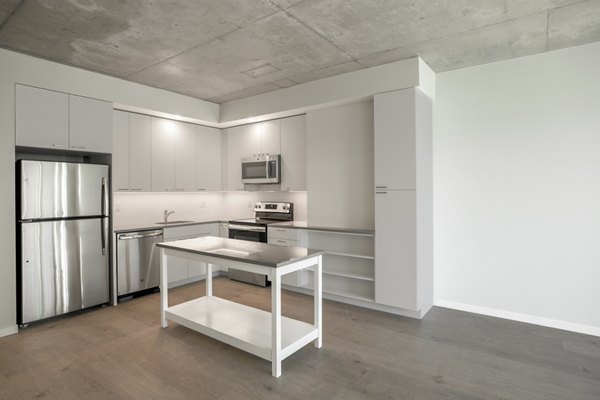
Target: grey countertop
(305, 225)
(141, 226)
(241, 250)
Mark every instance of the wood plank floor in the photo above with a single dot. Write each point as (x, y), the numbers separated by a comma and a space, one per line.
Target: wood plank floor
(122, 353)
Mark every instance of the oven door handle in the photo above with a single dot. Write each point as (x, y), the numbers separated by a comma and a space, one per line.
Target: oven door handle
(247, 228)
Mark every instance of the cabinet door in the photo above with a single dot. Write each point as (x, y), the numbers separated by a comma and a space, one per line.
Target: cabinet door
(270, 139)
(240, 141)
(395, 249)
(163, 155)
(140, 152)
(177, 269)
(185, 156)
(42, 118)
(395, 152)
(120, 151)
(209, 143)
(293, 153)
(290, 279)
(197, 268)
(90, 124)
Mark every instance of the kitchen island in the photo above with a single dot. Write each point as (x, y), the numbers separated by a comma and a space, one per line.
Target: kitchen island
(267, 335)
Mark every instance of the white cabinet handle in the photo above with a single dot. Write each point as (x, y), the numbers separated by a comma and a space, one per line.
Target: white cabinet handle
(77, 147)
(136, 189)
(58, 145)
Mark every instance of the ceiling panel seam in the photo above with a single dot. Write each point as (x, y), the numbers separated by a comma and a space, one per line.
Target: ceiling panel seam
(202, 44)
(352, 58)
(11, 14)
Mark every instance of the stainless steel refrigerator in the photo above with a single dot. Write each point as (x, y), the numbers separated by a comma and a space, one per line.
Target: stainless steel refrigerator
(63, 211)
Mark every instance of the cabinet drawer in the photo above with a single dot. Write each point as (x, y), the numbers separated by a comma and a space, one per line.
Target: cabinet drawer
(188, 231)
(282, 233)
(282, 242)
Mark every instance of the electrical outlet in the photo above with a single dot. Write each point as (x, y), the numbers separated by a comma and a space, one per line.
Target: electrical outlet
(250, 204)
(202, 204)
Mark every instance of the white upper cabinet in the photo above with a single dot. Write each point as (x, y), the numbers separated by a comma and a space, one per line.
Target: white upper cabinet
(395, 151)
(90, 124)
(140, 152)
(42, 118)
(185, 137)
(55, 120)
(239, 141)
(120, 151)
(293, 153)
(270, 137)
(163, 155)
(209, 150)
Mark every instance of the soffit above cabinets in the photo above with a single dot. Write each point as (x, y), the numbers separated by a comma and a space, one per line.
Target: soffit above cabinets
(223, 50)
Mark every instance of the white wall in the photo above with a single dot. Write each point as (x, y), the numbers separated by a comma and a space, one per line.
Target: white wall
(19, 68)
(340, 166)
(135, 208)
(517, 188)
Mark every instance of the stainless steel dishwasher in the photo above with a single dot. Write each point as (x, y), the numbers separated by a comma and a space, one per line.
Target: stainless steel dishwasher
(138, 261)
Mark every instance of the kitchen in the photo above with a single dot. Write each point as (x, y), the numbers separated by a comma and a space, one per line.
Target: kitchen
(341, 119)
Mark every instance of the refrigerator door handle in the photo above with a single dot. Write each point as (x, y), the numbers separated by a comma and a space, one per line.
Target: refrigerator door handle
(103, 235)
(103, 200)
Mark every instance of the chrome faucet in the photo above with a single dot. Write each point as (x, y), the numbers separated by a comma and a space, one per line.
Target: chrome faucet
(166, 214)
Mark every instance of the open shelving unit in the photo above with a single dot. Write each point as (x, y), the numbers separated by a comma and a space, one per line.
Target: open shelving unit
(348, 264)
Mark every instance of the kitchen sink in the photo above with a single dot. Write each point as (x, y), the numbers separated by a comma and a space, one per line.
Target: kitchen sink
(173, 222)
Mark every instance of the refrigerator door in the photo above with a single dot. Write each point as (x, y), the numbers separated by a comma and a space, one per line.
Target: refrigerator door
(64, 267)
(51, 190)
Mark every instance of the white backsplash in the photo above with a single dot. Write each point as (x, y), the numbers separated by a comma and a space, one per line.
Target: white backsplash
(148, 207)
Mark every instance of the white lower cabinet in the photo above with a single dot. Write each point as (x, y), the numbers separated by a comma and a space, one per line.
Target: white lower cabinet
(182, 271)
(285, 237)
(396, 272)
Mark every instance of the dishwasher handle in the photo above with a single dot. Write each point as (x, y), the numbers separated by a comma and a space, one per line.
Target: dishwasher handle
(139, 235)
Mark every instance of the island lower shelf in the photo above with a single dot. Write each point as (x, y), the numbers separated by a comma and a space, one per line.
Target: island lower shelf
(244, 327)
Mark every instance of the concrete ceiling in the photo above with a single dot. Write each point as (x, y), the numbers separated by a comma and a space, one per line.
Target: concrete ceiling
(222, 50)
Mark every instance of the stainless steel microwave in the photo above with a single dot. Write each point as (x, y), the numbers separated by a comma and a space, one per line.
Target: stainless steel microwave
(261, 168)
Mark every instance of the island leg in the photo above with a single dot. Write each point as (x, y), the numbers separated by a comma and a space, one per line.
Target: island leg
(276, 324)
(319, 301)
(208, 279)
(164, 287)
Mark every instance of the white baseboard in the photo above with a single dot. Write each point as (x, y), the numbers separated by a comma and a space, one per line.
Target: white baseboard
(11, 330)
(530, 319)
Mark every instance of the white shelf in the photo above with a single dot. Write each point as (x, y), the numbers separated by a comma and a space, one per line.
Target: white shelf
(346, 275)
(241, 326)
(337, 253)
(341, 293)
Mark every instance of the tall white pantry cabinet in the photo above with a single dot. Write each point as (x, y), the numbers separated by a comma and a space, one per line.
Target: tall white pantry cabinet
(403, 200)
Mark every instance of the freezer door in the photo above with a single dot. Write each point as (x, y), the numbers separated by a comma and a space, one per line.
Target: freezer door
(62, 190)
(64, 267)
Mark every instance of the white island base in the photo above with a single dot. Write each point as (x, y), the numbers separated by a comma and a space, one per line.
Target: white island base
(244, 327)
(268, 335)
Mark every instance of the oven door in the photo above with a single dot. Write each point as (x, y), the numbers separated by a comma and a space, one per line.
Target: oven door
(252, 234)
(248, 232)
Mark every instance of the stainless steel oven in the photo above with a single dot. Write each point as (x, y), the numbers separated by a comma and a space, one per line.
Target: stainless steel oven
(255, 230)
(252, 233)
(261, 168)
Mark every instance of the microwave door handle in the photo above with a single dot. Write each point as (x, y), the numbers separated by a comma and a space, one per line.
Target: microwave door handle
(267, 168)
